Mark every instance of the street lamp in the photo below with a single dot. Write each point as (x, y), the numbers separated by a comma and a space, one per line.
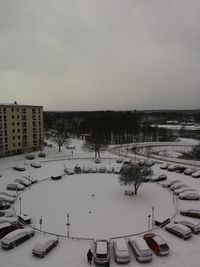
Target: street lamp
(149, 222)
(20, 205)
(68, 224)
(152, 214)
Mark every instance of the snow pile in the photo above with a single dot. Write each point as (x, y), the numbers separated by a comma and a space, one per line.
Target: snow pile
(171, 154)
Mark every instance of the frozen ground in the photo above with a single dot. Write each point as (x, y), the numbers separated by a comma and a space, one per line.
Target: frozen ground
(112, 213)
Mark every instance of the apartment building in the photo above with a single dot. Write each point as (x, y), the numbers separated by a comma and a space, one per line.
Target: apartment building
(21, 128)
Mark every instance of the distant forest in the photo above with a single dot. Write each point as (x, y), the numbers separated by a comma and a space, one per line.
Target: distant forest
(119, 127)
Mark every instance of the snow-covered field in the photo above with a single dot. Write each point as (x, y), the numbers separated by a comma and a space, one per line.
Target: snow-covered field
(107, 214)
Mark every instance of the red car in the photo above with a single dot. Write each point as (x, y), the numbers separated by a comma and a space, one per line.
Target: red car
(156, 243)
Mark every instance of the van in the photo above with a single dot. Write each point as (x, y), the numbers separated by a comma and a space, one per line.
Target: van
(156, 243)
(180, 230)
(121, 252)
(101, 252)
(16, 237)
(140, 249)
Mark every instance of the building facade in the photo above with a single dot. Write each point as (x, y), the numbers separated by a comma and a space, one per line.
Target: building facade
(21, 128)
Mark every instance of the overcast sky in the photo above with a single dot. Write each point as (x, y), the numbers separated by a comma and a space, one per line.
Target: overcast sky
(100, 54)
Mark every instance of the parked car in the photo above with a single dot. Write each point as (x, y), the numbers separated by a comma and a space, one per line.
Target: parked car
(195, 213)
(177, 186)
(196, 174)
(149, 163)
(126, 161)
(86, 170)
(160, 178)
(164, 166)
(121, 252)
(30, 179)
(110, 169)
(97, 160)
(6, 228)
(42, 155)
(119, 160)
(102, 169)
(7, 198)
(19, 168)
(189, 171)
(8, 193)
(22, 181)
(180, 169)
(180, 230)
(168, 184)
(117, 170)
(11, 220)
(101, 252)
(193, 225)
(141, 162)
(94, 169)
(15, 186)
(129, 192)
(161, 221)
(77, 169)
(183, 189)
(156, 243)
(56, 177)
(16, 237)
(140, 249)
(42, 248)
(30, 156)
(189, 195)
(171, 167)
(70, 171)
(36, 164)
(4, 205)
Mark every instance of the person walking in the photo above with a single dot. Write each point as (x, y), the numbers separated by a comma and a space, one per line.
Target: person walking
(89, 256)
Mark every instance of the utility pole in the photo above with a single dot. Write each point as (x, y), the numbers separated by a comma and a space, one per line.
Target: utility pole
(20, 205)
(149, 222)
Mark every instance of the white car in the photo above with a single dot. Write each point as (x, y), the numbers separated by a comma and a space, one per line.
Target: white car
(193, 225)
(42, 248)
(15, 186)
(189, 196)
(35, 164)
(121, 252)
(140, 248)
(196, 174)
(183, 189)
(8, 193)
(177, 186)
(22, 181)
(32, 180)
(19, 168)
(7, 198)
(117, 170)
(12, 220)
(94, 169)
(179, 230)
(164, 166)
(189, 171)
(119, 160)
(101, 252)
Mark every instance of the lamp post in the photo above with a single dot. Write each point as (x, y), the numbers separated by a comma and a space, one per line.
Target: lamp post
(149, 222)
(153, 210)
(20, 205)
(68, 224)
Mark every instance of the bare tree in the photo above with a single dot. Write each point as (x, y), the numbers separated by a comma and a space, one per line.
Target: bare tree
(60, 137)
(134, 175)
(196, 152)
(95, 143)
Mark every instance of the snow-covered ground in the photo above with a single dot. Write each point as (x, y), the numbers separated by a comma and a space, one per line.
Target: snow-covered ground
(107, 214)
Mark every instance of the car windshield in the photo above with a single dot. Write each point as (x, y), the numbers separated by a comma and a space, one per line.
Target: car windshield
(164, 246)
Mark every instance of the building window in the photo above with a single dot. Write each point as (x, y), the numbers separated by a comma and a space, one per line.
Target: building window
(4, 110)
(13, 144)
(13, 137)
(18, 123)
(5, 124)
(13, 130)
(12, 109)
(18, 144)
(18, 130)
(18, 137)
(13, 124)
(13, 116)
